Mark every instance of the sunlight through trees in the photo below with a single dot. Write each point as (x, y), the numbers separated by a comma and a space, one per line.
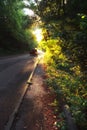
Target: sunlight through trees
(60, 28)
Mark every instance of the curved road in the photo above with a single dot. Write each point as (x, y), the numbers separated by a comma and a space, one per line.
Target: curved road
(14, 73)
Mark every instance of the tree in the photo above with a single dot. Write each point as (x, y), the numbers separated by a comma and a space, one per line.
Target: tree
(49, 9)
(14, 24)
(73, 7)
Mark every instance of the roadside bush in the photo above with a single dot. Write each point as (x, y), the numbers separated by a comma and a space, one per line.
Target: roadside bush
(65, 78)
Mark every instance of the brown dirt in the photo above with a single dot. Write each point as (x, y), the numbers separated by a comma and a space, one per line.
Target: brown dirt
(50, 117)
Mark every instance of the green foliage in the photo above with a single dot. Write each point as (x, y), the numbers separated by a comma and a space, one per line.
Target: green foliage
(66, 53)
(83, 22)
(65, 75)
(75, 6)
(73, 91)
(51, 9)
(13, 29)
(61, 125)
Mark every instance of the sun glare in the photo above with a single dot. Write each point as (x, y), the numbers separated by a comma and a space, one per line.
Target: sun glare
(38, 34)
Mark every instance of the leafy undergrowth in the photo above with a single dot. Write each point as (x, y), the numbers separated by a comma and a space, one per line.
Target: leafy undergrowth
(65, 78)
(54, 118)
(71, 89)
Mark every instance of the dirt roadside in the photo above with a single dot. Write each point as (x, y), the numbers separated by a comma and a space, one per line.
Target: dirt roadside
(35, 113)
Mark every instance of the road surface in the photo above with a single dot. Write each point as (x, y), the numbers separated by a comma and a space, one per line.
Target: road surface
(14, 72)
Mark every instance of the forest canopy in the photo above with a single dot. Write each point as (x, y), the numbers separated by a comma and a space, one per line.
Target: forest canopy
(15, 26)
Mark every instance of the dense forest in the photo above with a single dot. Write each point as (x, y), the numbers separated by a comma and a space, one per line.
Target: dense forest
(64, 29)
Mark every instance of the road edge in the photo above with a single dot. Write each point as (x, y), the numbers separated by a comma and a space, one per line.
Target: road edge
(12, 116)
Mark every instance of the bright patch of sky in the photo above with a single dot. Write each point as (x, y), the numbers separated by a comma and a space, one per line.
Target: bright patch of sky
(31, 1)
(28, 12)
(65, 1)
(34, 1)
(26, 2)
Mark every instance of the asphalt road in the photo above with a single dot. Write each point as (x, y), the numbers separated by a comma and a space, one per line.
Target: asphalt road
(14, 72)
